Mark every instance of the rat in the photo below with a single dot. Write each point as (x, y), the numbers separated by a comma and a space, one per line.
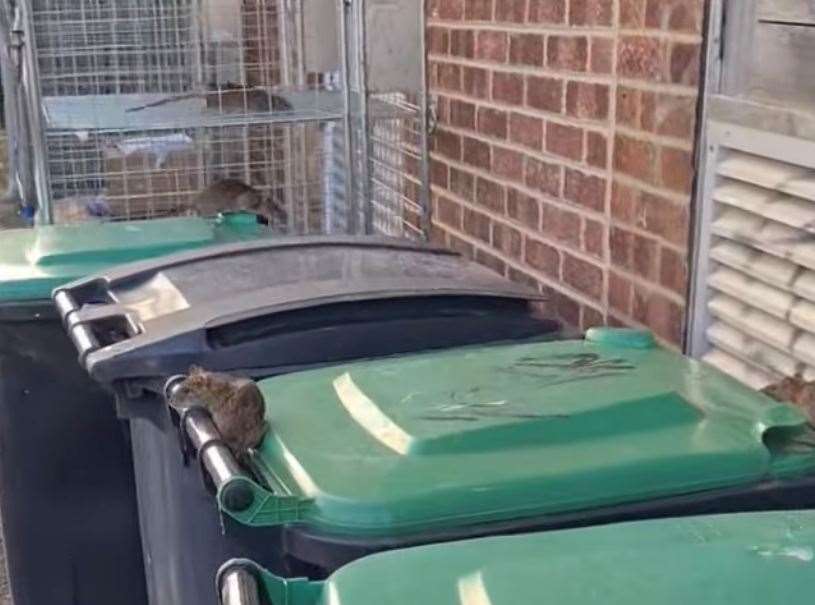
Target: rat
(235, 404)
(794, 390)
(232, 99)
(232, 195)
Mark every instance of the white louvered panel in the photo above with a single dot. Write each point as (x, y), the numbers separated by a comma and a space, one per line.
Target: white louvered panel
(739, 370)
(779, 207)
(755, 353)
(766, 235)
(774, 332)
(775, 301)
(761, 297)
(770, 269)
(769, 174)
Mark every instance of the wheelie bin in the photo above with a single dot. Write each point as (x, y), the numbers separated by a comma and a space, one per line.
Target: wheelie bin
(749, 558)
(260, 310)
(471, 442)
(67, 496)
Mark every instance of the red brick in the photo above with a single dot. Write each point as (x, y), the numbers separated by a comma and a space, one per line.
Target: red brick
(449, 76)
(447, 144)
(493, 122)
(508, 163)
(526, 130)
(566, 309)
(641, 58)
(543, 257)
(602, 55)
(476, 82)
(448, 9)
(477, 225)
(626, 205)
(438, 236)
(462, 183)
(567, 52)
(448, 212)
(439, 174)
(462, 114)
(588, 101)
(438, 40)
(492, 46)
(673, 271)
(508, 240)
(665, 219)
(596, 150)
(620, 292)
(508, 88)
(547, 11)
(545, 94)
(677, 169)
(526, 49)
(591, 12)
(543, 176)
(674, 15)
(523, 208)
(635, 158)
(462, 43)
(461, 246)
(594, 235)
(490, 195)
(490, 261)
(629, 107)
(676, 116)
(585, 189)
(632, 14)
(560, 225)
(621, 247)
(520, 277)
(510, 11)
(583, 276)
(685, 63)
(564, 140)
(477, 10)
(476, 153)
(644, 257)
(663, 316)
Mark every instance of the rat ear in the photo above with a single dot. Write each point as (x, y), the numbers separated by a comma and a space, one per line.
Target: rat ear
(196, 370)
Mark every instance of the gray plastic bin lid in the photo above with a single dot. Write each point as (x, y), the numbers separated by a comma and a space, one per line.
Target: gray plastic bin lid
(156, 317)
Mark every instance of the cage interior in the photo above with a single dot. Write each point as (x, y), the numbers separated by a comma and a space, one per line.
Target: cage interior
(170, 107)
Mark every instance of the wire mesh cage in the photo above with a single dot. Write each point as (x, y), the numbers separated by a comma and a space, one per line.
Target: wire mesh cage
(151, 108)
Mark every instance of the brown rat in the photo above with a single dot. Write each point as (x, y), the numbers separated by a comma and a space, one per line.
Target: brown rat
(794, 390)
(236, 405)
(232, 195)
(232, 99)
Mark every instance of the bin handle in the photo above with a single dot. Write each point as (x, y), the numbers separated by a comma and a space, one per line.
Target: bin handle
(237, 585)
(236, 492)
(244, 582)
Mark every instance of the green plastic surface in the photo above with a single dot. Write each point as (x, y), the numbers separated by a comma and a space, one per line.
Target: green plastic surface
(751, 559)
(35, 261)
(428, 442)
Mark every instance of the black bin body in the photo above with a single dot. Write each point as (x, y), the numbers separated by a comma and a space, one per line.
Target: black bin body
(68, 496)
(262, 310)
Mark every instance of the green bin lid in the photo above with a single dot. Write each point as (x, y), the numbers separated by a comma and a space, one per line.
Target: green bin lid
(429, 442)
(35, 261)
(749, 559)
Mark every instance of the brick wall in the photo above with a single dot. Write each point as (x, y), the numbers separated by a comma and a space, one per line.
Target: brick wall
(563, 156)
